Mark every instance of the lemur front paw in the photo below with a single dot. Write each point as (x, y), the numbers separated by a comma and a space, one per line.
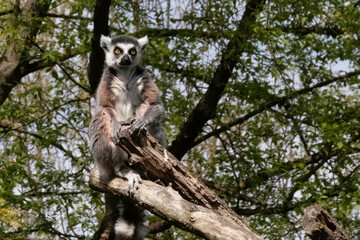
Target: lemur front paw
(117, 130)
(137, 127)
(133, 178)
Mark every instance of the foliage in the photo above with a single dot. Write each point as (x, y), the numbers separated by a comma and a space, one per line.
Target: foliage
(285, 133)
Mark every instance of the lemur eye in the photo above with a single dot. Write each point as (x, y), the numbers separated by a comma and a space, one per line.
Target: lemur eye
(132, 51)
(117, 51)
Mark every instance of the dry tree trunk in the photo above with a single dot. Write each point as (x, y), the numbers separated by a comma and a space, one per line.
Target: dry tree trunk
(319, 225)
(185, 201)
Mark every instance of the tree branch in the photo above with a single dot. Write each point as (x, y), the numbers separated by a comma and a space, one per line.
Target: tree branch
(185, 203)
(97, 55)
(13, 61)
(206, 108)
(159, 226)
(332, 31)
(168, 204)
(6, 12)
(315, 161)
(299, 181)
(41, 138)
(326, 30)
(274, 102)
(44, 63)
(58, 62)
(56, 15)
(181, 32)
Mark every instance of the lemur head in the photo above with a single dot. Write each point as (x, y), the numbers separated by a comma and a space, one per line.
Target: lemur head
(123, 51)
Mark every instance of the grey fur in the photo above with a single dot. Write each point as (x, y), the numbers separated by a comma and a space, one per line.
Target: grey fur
(126, 91)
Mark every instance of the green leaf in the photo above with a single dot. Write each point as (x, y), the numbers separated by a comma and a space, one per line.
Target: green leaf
(340, 145)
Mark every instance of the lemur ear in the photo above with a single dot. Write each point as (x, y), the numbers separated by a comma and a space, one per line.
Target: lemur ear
(105, 43)
(143, 43)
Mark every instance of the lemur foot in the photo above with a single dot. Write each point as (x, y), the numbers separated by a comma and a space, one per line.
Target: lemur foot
(133, 178)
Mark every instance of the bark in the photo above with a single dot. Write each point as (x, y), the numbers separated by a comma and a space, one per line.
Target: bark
(168, 204)
(319, 225)
(97, 55)
(14, 63)
(181, 199)
(206, 108)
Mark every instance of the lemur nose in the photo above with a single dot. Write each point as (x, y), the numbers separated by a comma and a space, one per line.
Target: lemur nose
(126, 59)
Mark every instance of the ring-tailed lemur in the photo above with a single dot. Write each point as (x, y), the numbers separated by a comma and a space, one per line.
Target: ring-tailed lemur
(126, 91)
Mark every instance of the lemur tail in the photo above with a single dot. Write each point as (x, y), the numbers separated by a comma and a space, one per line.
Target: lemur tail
(123, 220)
(131, 222)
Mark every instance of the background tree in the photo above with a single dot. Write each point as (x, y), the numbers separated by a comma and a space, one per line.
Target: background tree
(261, 98)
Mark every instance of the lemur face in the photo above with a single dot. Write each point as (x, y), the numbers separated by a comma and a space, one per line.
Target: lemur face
(123, 51)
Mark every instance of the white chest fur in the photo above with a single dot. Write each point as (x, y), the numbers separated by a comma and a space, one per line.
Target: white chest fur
(127, 98)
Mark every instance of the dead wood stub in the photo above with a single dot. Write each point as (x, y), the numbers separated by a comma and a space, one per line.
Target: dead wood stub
(320, 225)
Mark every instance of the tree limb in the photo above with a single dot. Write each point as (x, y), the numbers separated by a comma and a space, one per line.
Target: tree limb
(180, 32)
(41, 138)
(44, 63)
(57, 15)
(333, 31)
(314, 161)
(159, 226)
(206, 108)
(58, 62)
(13, 61)
(97, 55)
(274, 102)
(186, 202)
(168, 204)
